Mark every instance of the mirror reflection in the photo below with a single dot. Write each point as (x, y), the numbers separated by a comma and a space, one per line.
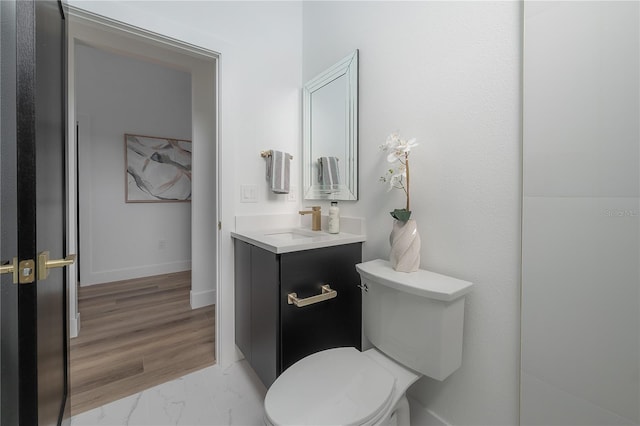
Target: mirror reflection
(330, 163)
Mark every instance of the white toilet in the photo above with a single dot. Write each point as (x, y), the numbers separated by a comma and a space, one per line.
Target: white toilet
(414, 321)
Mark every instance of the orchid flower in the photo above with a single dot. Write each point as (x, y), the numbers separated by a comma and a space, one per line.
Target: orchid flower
(397, 176)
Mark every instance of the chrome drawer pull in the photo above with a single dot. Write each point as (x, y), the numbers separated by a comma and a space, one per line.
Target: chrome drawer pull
(327, 293)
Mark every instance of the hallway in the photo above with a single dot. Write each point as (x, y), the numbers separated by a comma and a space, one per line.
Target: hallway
(136, 334)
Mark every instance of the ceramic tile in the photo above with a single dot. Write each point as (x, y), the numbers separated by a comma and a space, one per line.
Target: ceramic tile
(212, 396)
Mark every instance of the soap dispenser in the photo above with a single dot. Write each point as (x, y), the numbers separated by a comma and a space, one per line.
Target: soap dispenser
(334, 218)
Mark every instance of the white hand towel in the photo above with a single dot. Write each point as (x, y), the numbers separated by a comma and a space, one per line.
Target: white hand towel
(278, 171)
(328, 173)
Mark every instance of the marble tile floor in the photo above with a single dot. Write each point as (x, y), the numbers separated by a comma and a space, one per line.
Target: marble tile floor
(211, 396)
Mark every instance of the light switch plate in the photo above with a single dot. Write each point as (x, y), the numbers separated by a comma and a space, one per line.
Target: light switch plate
(248, 193)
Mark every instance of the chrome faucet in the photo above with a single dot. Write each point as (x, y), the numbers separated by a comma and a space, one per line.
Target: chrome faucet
(315, 217)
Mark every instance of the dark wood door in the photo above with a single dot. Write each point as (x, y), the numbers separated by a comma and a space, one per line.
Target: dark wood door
(35, 348)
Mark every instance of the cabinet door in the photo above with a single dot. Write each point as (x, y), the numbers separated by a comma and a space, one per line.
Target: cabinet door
(265, 338)
(242, 264)
(327, 324)
(257, 275)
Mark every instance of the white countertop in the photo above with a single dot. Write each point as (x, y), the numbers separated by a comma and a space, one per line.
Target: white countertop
(288, 240)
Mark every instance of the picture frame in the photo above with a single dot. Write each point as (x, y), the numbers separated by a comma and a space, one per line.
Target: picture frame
(157, 169)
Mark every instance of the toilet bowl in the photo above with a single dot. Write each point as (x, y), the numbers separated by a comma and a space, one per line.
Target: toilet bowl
(414, 322)
(341, 386)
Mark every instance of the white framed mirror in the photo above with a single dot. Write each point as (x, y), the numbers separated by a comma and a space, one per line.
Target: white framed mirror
(330, 127)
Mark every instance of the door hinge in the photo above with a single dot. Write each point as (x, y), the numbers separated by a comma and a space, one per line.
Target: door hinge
(219, 226)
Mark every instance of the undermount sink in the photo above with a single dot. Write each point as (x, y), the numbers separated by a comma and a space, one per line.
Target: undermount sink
(296, 234)
(290, 239)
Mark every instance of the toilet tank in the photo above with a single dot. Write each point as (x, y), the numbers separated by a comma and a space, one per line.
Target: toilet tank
(414, 318)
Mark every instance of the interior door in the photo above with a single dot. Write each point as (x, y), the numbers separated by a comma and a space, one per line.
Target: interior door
(35, 348)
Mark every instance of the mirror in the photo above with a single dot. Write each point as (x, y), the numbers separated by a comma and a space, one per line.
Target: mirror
(330, 127)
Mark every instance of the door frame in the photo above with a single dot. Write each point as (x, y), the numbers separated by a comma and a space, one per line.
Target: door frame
(99, 31)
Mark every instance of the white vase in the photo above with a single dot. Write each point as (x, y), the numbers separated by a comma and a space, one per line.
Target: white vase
(405, 246)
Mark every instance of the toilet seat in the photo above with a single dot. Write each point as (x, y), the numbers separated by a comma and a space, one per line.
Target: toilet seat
(335, 386)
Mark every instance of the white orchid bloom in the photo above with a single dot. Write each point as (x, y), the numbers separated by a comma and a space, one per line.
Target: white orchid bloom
(397, 175)
(399, 147)
(394, 156)
(405, 146)
(410, 144)
(393, 140)
(393, 182)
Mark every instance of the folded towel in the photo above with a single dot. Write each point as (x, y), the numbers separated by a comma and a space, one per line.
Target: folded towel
(278, 171)
(328, 174)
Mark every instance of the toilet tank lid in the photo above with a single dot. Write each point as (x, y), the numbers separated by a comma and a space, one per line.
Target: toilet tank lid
(421, 283)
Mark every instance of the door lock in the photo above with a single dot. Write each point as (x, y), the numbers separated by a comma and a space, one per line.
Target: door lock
(23, 272)
(26, 271)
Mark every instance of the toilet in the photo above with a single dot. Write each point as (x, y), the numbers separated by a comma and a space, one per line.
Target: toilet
(414, 322)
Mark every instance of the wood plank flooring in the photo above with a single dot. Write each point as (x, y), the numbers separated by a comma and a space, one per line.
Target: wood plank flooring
(136, 334)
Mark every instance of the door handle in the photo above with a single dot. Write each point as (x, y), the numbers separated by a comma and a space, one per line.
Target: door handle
(44, 264)
(11, 268)
(327, 293)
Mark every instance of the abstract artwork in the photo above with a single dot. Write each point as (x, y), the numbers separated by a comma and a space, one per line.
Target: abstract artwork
(158, 169)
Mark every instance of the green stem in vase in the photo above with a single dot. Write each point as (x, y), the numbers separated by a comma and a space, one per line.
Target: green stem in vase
(406, 159)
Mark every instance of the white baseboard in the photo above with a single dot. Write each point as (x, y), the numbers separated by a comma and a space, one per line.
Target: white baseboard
(92, 278)
(422, 416)
(202, 298)
(74, 326)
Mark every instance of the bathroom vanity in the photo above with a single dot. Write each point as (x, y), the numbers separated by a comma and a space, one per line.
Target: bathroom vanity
(295, 297)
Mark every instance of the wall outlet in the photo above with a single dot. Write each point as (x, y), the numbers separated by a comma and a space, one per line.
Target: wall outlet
(162, 244)
(293, 194)
(248, 193)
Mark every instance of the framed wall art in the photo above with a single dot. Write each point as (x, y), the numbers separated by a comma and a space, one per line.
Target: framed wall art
(157, 169)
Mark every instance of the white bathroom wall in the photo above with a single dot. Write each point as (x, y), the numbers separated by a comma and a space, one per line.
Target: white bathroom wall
(447, 73)
(581, 228)
(117, 95)
(260, 46)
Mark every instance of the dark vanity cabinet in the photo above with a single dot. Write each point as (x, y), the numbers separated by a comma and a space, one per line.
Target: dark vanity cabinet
(272, 333)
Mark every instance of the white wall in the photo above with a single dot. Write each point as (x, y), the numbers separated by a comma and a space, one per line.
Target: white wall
(447, 73)
(117, 95)
(260, 46)
(581, 227)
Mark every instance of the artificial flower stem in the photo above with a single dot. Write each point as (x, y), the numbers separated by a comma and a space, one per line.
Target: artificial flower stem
(406, 159)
